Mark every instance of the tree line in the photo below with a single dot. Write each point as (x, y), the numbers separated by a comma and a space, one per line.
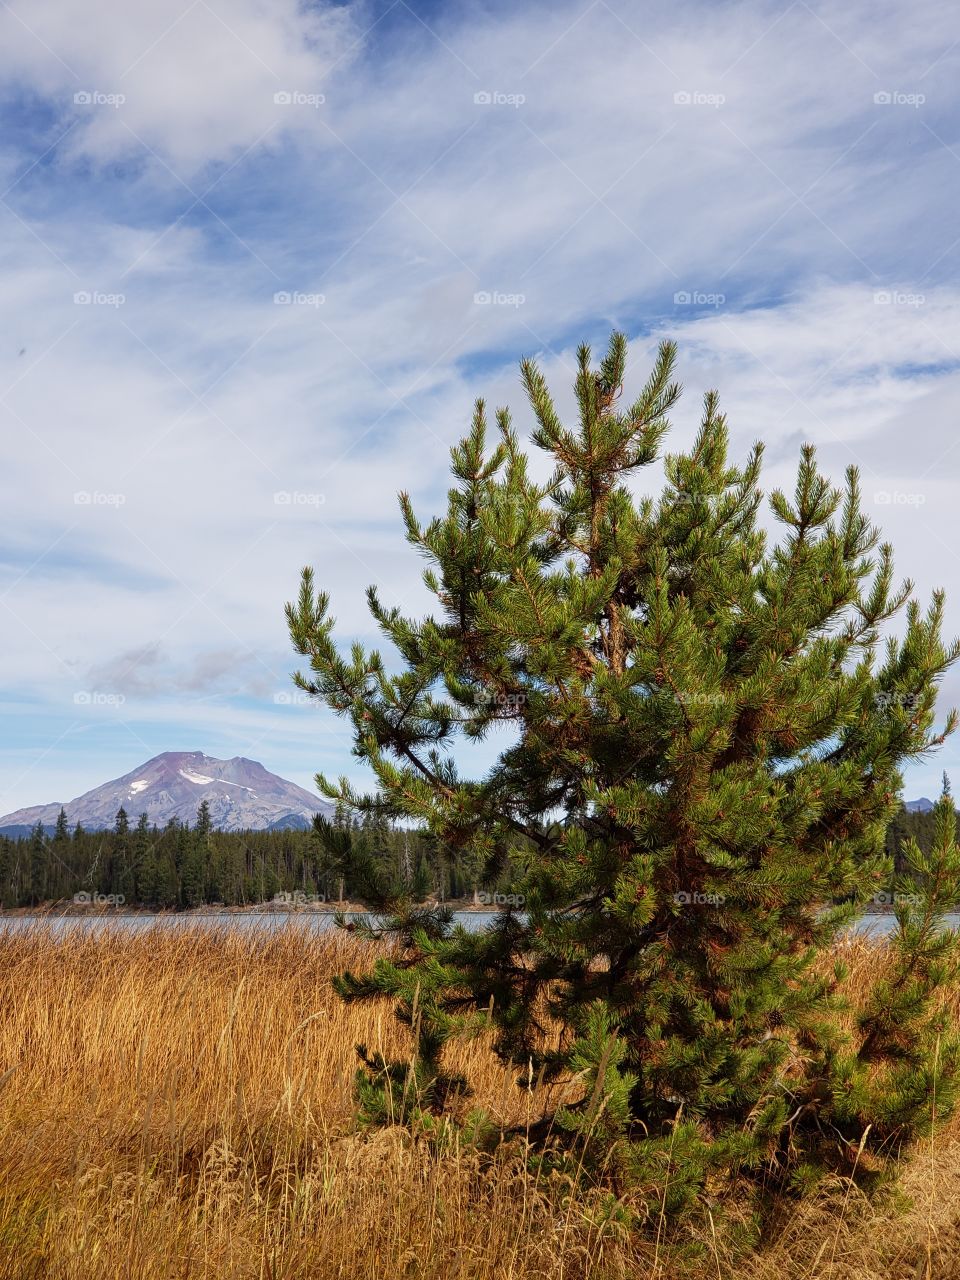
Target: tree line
(180, 865)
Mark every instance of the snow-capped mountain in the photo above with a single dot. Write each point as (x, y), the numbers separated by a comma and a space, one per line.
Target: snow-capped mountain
(241, 793)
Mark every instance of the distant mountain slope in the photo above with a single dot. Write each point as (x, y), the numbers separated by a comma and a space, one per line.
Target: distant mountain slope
(241, 793)
(923, 805)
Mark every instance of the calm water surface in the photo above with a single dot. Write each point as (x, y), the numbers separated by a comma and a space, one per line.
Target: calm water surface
(244, 922)
(878, 924)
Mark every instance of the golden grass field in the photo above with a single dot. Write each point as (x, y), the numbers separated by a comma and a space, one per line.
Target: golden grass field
(178, 1104)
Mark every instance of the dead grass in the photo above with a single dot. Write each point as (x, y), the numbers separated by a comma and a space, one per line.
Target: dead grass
(178, 1104)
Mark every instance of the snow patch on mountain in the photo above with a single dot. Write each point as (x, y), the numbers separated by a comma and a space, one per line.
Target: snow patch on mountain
(200, 778)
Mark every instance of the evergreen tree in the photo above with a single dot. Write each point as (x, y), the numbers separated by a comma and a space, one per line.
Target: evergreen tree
(203, 855)
(190, 866)
(148, 880)
(7, 860)
(707, 737)
(117, 878)
(422, 885)
(37, 890)
(168, 883)
(58, 868)
(204, 825)
(140, 851)
(61, 832)
(337, 857)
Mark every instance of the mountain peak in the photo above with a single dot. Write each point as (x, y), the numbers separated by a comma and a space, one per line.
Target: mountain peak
(923, 805)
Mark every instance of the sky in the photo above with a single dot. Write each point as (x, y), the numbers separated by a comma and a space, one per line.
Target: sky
(259, 257)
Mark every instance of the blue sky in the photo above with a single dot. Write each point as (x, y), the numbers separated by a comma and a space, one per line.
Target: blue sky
(774, 185)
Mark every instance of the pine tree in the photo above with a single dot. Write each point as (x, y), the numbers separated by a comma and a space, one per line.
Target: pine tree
(140, 856)
(58, 869)
(708, 742)
(190, 865)
(168, 884)
(204, 824)
(38, 865)
(7, 891)
(117, 877)
(61, 832)
(421, 886)
(336, 855)
(203, 854)
(149, 887)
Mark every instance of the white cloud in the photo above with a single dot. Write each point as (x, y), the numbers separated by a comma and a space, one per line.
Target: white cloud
(195, 82)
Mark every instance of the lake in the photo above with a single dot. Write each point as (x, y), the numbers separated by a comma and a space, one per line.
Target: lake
(876, 924)
(245, 921)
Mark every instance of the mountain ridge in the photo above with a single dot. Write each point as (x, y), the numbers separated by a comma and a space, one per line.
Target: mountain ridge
(241, 794)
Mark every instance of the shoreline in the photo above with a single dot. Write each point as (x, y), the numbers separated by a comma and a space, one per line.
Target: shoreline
(77, 910)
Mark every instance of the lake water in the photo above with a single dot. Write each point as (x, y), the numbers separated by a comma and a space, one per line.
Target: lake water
(875, 924)
(246, 921)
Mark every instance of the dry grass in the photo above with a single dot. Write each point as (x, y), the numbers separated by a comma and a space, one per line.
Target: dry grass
(177, 1104)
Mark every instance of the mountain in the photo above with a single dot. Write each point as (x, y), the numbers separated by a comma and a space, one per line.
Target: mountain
(241, 793)
(923, 805)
